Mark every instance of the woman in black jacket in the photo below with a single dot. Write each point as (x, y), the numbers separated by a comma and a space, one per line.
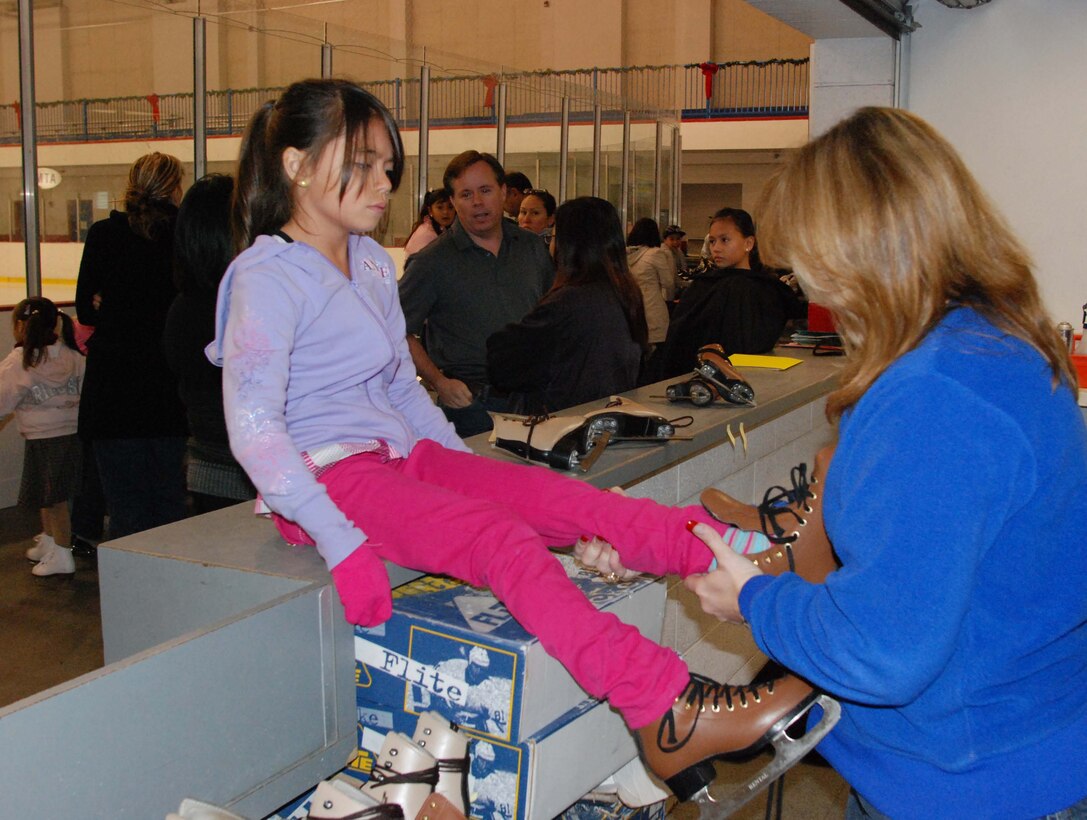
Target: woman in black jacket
(130, 410)
(586, 338)
(736, 303)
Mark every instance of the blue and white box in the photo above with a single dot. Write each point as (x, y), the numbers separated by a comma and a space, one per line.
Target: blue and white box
(456, 650)
(535, 779)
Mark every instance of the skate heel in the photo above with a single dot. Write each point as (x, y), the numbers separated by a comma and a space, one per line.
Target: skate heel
(691, 780)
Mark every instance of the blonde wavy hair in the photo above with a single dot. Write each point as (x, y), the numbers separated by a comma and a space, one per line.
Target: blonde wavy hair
(883, 224)
(154, 186)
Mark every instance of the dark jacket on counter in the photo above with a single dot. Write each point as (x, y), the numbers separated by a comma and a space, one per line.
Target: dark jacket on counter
(574, 347)
(744, 311)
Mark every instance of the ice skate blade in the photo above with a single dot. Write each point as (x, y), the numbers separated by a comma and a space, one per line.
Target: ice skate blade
(787, 753)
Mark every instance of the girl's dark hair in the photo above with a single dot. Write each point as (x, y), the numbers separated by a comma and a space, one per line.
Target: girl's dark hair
(203, 246)
(545, 197)
(67, 331)
(746, 226)
(430, 198)
(645, 232)
(40, 330)
(589, 248)
(308, 116)
(153, 182)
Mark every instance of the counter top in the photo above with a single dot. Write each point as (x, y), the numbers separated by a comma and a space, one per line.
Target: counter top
(776, 393)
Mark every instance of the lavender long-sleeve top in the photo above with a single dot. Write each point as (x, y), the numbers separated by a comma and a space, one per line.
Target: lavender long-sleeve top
(310, 359)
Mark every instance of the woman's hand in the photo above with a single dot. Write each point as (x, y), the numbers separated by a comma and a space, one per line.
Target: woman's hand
(719, 590)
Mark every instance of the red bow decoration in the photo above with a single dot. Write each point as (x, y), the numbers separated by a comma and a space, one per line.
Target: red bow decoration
(18, 113)
(708, 70)
(489, 82)
(154, 100)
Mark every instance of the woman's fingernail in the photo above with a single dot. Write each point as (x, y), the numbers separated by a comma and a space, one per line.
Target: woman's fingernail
(691, 525)
(584, 539)
(600, 538)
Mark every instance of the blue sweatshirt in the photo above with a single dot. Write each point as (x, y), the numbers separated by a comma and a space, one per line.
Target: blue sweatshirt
(311, 359)
(956, 630)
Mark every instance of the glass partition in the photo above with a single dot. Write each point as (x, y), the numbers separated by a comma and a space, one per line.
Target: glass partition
(99, 109)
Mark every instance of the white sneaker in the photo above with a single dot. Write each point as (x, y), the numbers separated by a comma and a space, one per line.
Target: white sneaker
(57, 562)
(43, 545)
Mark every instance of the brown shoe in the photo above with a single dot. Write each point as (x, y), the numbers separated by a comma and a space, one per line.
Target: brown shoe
(710, 720)
(791, 519)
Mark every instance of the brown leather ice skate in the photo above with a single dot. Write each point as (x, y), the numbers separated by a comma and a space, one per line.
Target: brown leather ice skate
(710, 720)
(791, 519)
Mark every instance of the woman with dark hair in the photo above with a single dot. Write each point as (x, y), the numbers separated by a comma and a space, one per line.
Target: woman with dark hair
(130, 410)
(585, 339)
(537, 213)
(655, 272)
(736, 303)
(435, 216)
(956, 629)
(203, 248)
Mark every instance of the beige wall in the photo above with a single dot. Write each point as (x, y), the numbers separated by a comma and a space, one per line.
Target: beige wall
(741, 32)
(91, 50)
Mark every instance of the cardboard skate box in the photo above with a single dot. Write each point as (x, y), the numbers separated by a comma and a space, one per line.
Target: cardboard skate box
(456, 650)
(533, 780)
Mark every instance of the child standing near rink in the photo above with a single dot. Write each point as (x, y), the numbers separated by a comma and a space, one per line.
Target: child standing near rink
(40, 382)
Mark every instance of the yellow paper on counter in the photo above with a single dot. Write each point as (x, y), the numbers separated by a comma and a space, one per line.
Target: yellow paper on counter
(770, 362)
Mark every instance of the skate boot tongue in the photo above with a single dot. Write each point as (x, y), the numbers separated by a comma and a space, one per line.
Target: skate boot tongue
(403, 773)
(441, 738)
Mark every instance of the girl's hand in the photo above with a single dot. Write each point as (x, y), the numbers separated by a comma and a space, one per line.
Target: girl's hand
(597, 554)
(363, 585)
(719, 590)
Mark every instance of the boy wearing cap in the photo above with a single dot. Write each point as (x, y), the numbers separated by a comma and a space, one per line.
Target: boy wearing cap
(673, 239)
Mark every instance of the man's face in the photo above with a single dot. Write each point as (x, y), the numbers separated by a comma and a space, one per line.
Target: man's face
(513, 201)
(478, 198)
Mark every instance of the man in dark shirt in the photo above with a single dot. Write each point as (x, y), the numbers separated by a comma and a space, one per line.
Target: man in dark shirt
(479, 275)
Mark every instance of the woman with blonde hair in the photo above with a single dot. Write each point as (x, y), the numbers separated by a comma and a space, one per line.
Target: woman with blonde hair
(955, 632)
(130, 409)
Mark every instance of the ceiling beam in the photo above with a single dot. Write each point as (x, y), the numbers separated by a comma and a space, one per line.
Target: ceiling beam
(893, 17)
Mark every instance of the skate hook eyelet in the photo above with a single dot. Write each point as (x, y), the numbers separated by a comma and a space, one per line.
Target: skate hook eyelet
(715, 708)
(757, 698)
(702, 710)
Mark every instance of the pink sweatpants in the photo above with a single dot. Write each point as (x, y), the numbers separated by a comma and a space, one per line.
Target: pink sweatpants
(489, 523)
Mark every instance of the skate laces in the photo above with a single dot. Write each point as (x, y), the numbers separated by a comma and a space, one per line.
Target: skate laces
(388, 777)
(701, 691)
(778, 501)
(382, 811)
(454, 765)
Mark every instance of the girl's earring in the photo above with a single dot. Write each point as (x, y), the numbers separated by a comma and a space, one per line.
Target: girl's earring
(303, 183)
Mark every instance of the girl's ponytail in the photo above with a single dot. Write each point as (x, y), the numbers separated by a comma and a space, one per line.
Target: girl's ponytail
(262, 199)
(39, 318)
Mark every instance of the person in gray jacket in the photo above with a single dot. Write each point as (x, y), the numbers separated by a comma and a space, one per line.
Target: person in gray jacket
(654, 271)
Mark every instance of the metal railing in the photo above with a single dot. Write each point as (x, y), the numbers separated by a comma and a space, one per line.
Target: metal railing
(771, 88)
